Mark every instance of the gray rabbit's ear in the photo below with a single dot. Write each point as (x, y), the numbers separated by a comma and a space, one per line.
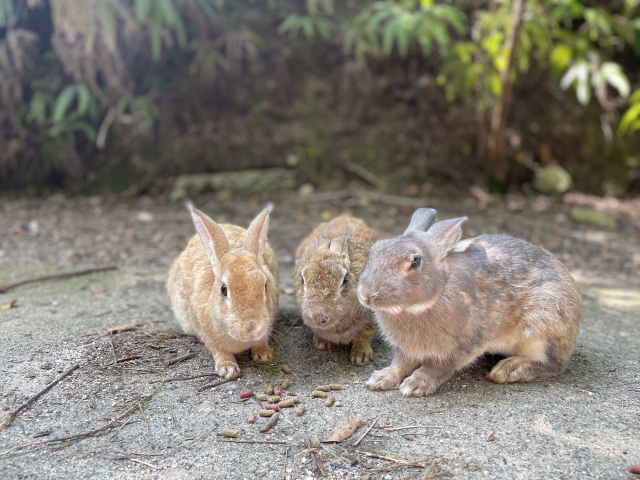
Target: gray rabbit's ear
(322, 243)
(443, 236)
(421, 220)
(214, 241)
(339, 244)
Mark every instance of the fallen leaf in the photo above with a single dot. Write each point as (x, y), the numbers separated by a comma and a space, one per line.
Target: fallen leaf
(7, 306)
(145, 217)
(491, 437)
(287, 291)
(343, 430)
(124, 328)
(96, 288)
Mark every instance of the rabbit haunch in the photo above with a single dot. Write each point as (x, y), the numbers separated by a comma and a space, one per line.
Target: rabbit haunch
(328, 265)
(442, 303)
(224, 289)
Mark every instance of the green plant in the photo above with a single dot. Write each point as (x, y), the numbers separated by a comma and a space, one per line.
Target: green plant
(630, 121)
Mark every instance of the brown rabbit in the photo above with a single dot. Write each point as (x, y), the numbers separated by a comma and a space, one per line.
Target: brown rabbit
(328, 265)
(224, 289)
(442, 303)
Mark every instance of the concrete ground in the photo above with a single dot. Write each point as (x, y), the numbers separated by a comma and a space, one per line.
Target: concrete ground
(582, 424)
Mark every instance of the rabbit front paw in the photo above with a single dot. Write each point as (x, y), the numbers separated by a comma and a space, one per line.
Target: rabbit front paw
(418, 384)
(385, 379)
(320, 343)
(228, 369)
(361, 355)
(262, 353)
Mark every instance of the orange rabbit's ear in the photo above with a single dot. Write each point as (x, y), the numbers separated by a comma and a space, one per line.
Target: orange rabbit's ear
(214, 241)
(256, 237)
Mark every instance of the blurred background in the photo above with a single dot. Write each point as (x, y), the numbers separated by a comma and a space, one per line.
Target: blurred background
(103, 97)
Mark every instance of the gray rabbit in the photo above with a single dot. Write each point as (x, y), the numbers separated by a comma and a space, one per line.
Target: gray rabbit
(442, 302)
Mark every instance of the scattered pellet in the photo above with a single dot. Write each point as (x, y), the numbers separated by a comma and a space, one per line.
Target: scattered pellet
(297, 397)
(335, 386)
(315, 441)
(227, 432)
(300, 410)
(261, 396)
(272, 421)
(323, 388)
(269, 390)
(285, 383)
(276, 390)
(273, 399)
(272, 406)
(319, 394)
(329, 401)
(266, 413)
(246, 394)
(286, 369)
(251, 417)
(289, 402)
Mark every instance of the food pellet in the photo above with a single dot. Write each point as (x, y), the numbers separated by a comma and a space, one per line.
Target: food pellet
(297, 397)
(227, 432)
(300, 410)
(276, 390)
(335, 386)
(315, 441)
(289, 402)
(269, 390)
(329, 401)
(266, 413)
(272, 406)
(261, 396)
(319, 394)
(251, 417)
(246, 394)
(323, 388)
(285, 384)
(273, 399)
(286, 369)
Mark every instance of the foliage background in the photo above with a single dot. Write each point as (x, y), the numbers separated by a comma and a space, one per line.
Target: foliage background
(113, 95)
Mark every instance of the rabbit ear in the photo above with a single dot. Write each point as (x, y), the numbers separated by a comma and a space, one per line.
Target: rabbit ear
(256, 237)
(214, 241)
(421, 220)
(339, 244)
(443, 236)
(322, 243)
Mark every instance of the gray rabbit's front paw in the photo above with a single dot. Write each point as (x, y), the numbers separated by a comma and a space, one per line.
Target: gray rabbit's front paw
(418, 384)
(385, 379)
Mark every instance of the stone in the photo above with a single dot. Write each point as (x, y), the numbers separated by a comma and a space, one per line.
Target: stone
(594, 217)
(552, 179)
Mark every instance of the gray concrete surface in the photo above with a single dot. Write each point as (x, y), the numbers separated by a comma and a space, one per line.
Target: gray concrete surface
(583, 424)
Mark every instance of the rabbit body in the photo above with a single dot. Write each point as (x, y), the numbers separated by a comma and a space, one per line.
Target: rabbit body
(224, 289)
(442, 303)
(328, 266)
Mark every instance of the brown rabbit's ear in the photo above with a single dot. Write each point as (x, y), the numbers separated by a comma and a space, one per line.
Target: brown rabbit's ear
(256, 237)
(322, 243)
(444, 235)
(339, 244)
(421, 220)
(214, 241)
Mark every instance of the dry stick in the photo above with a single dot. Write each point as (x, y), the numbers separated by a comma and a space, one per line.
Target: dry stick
(128, 358)
(364, 174)
(315, 458)
(57, 275)
(267, 442)
(373, 196)
(118, 431)
(113, 349)
(213, 385)
(11, 417)
(180, 359)
(284, 469)
(144, 417)
(365, 433)
(176, 379)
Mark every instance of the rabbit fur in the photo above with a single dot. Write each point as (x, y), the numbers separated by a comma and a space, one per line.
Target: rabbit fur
(441, 303)
(328, 265)
(224, 289)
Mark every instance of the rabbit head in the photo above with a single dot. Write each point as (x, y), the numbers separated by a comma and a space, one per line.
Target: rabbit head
(240, 299)
(407, 273)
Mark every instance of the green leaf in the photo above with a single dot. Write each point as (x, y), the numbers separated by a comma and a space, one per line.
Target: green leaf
(615, 77)
(630, 120)
(560, 57)
(63, 102)
(143, 9)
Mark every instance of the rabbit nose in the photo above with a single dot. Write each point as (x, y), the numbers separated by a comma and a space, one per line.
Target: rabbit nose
(320, 319)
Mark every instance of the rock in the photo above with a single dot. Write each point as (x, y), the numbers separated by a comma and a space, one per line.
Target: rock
(552, 179)
(594, 217)
(244, 181)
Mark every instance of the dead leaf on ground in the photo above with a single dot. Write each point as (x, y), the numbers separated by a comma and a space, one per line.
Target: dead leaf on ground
(287, 291)
(96, 288)
(343, 430)
(9, 305)
(124, 328)
(491, 437)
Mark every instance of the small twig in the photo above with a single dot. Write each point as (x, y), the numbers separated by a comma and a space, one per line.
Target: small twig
(284, 469)
(145, 463)
(267, 442)
(176, 379)
(118, 431)
(128, 358)
(56, 276)
(272, 421)
(357, 442)
(113, 349)
(213, 385)
(314, 456)
(172, 417)
(9, 418)
(144, 417)
(180, 359)
(364, 174)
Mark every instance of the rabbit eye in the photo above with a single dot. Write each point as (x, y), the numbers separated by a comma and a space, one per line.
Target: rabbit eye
(417, 261)
(223, 290)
